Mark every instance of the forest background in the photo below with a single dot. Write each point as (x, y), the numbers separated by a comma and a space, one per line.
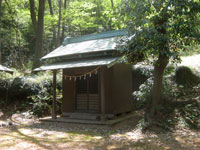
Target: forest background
(30, 29)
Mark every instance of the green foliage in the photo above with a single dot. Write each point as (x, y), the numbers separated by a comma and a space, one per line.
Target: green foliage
(42, 100)
(21, 88)
(159, 30)
(41, 104)
(191, 114)
(14, 18)
(190, 50)
(34, 93)
(78, 18)
(173, 106)
(17, 89)
(161, 26)
(143, 76)
(143, 94)
(180, 106)
(92, 16)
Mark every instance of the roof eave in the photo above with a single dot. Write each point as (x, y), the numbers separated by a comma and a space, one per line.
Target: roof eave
(79, 64)
(80, 54)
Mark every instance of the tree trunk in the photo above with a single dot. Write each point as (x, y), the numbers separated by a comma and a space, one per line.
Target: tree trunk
(0, 30)
(99, 13)
(63, 23)
(54, 28)
(39, 35)
(112, 3)
(59, 23)
(0, 6)
(33, 15)
(159, 68)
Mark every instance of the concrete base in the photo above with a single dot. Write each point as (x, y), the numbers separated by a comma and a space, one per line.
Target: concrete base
(81, 121)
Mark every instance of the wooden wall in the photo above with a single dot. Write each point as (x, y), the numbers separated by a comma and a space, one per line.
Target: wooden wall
(118, 89)
(68, 104)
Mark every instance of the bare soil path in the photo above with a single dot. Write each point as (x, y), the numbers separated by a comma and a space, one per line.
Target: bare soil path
(30, 134)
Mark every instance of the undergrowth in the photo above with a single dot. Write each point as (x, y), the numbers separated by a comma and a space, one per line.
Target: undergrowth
(33, 92)
(180, 105)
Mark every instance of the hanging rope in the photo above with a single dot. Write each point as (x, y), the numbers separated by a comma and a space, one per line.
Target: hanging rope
(94, 71)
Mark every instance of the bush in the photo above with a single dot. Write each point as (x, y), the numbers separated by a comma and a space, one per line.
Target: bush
(143, 94)
(185, 77)
(4, 86)
(178, 106)
(21, 88)
(139, 75)
(42, 101)
(34, 92)
(41, 104)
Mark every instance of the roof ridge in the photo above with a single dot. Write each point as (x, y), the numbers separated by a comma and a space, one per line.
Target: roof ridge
(94, 36)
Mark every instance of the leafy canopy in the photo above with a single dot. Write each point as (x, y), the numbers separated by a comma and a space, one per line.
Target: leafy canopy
(161, 27)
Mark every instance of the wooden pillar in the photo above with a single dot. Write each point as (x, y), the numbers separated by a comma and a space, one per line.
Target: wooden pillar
(54, 115)
(102, 82)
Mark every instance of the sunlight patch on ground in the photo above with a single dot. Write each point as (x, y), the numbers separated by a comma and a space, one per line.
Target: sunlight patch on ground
(127, 135)
(111, 147)
(98, 137)
(135, 135)
(191, 61)
(27, 131)
(27, 138)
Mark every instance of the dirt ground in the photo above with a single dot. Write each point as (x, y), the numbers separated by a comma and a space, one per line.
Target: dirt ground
(31, 134)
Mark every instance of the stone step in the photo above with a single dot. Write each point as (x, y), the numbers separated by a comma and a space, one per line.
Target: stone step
(83, 116)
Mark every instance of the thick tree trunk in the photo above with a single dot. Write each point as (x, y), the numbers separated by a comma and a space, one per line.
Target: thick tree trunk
(157, 85)
(0, 30)
(39, 35)
(159, 67)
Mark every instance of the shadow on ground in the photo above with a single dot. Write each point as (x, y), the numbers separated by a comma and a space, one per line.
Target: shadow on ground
(122, 136)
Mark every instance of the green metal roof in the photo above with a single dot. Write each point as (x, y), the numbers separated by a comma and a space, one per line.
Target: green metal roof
(80, 63)
(94, 36)
(87, 44)
(3, 68)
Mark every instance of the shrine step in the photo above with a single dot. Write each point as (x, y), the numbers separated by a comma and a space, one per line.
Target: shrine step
(83, 116)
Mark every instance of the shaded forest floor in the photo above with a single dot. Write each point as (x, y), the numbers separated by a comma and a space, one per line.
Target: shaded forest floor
(32, 134)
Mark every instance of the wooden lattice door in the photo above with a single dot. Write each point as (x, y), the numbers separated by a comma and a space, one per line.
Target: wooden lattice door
(87, 95)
